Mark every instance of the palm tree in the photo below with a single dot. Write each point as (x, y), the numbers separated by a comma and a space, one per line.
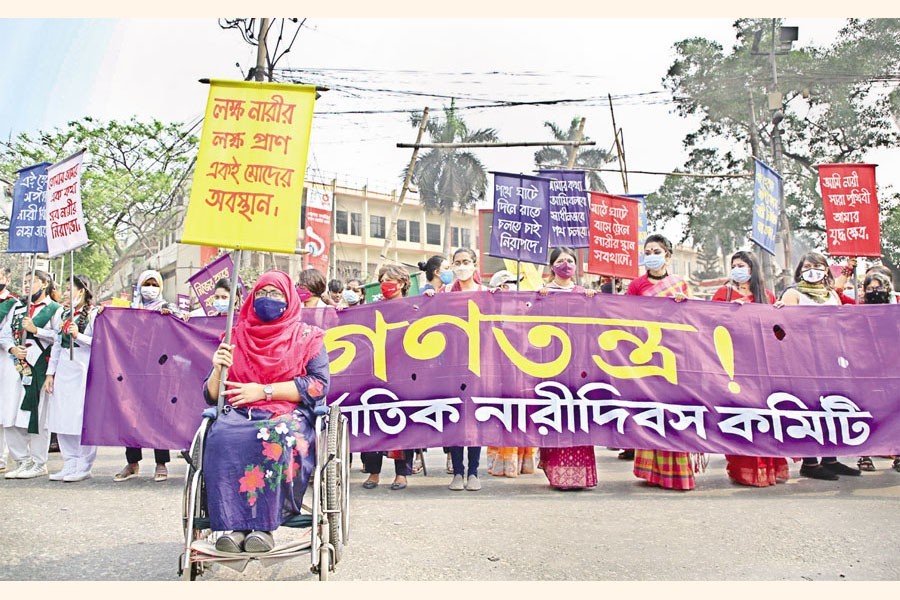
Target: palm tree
(449, 179)
(586, 156)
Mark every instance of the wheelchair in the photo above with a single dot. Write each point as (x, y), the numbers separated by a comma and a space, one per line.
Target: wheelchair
(328, 519)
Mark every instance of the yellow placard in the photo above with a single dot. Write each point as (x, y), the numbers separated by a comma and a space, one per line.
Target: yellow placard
(120, 302)
(248, 183)
(531, 276)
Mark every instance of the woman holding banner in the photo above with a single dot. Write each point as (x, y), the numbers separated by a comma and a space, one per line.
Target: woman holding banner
(67, 380)
(747, 284)
(815, 287)
(27, 334)
(149, 296)
(669, 470)
(575, 467)
(395, 284)
(260, 452)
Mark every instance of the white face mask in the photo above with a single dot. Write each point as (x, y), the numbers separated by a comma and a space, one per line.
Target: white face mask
(813, 275)
(149, 292)
(654, 262)
(463, 272)
(740, 274)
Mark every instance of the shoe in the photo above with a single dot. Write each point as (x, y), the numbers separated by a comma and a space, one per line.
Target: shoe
(258, 542)
(840, 468)
(817, 472)
(232, 542)
(130, 470)
(896, 465)
(398, 485)
(33, 471)
(58, 476)
(865, 464)
(161, 473)
(14, 474)
(77, 477)
(369, 484)
(473, 484)
(626, 455)
(457, 483)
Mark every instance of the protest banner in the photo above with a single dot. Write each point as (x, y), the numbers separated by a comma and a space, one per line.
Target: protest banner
(642, 224)
(614, 234)
(183, 302)
(767, 191)
(851, 209)
(519, 369)
(28, 216)
(568, 208)
(65, 215)
(318, 227)
(248, 182)
(203, 282)
(521, 219)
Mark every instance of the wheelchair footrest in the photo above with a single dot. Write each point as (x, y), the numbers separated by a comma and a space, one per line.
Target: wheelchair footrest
(208, 548)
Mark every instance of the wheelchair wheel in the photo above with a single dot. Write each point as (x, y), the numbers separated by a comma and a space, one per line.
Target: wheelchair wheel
(345, 481)
(335, 491)
(324, 564)
(194, 510)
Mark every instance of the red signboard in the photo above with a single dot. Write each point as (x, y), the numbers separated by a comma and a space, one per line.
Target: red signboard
(318, 228)
(851, 209)
(613, 236)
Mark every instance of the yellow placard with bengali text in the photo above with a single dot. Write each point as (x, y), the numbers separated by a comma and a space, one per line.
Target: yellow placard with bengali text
(248, 182)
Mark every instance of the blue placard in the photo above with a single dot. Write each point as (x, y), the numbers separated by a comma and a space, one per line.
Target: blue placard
(568, 208)
(767, 192)
(521, 223)
(28, 220)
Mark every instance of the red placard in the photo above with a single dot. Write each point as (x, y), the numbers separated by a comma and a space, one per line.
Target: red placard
(851, 209)
(318, 228)
(613, 236)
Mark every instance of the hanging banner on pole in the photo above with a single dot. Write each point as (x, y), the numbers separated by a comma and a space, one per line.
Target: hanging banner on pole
(65, 215)
(248, 182)
(614, 233)
(28, 218)
(767, 191)
(203, 282)
(318, 227)
(851, 209)
(568, 208)
(521, 219)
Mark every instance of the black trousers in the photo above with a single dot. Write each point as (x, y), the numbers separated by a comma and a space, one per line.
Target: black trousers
(134, 455)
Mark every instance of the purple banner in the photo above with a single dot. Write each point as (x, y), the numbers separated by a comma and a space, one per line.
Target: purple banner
(521, 220)
(28, 217)
(519, 369)
(568, 208)
(203, 282)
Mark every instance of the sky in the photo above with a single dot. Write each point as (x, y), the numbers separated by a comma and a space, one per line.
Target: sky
(150, 68)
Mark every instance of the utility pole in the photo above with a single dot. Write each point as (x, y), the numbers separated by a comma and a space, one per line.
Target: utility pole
(261, 66)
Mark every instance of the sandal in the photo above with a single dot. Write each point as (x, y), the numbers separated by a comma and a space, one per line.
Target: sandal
(161, 473)
(865, 464)
(127, 473)
(626, 455)
(896, 465)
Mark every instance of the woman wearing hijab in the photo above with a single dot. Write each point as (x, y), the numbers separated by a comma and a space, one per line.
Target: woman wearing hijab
(260, 452)
(27, 334)
(149, 296)
(67, 380)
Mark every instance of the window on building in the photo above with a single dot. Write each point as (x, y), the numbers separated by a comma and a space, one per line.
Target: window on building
(401, 230)
(340, 222)
(433, 234)
(356, 224)
(460, 238)
(415, 232)
(377, 226)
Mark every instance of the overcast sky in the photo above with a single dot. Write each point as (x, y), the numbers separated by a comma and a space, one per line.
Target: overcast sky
(119, 68)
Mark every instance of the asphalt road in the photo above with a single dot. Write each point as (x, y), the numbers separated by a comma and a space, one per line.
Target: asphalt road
(513, 529)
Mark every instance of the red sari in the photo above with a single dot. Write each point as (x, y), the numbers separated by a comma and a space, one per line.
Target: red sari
(757, 471)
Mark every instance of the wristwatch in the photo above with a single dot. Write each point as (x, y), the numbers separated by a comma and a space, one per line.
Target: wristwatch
(268, 391)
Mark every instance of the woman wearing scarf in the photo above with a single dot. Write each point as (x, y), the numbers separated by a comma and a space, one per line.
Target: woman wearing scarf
(669, 470)
(747, 284)
(148, 296)
(260, 452)
(27, 335)
(815, 287)
(67, 380)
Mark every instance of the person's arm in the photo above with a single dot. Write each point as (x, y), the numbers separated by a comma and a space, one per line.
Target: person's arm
(6, 339)
(846, 273)
(791, 297)
(313, 387)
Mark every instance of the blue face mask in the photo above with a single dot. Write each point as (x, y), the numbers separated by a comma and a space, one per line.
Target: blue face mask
(350, 297)
(269, 309)
(654, 262)
(446, 277)
(220, 305)
(740, 274)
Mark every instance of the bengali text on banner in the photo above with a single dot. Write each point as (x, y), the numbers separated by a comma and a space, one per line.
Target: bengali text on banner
(614, 236)
(65, 214)
(28, 218)
(767, 190)
(851, 209)
(520, 228)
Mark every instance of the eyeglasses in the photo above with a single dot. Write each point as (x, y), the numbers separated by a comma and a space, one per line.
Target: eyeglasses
(275, 294)
(874, 289)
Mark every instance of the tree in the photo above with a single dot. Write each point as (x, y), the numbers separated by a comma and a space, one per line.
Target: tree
(840, 102)
(133, 185)
(585, 156)
(449, 179)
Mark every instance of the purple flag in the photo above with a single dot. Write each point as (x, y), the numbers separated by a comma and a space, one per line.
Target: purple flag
(520, 369)
(203, 282)
(521, 219)
(568, 208)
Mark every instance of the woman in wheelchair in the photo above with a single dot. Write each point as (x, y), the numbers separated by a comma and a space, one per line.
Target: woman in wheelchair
(260, 452)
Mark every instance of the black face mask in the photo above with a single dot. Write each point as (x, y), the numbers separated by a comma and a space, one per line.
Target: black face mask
(36, 295)
(2, 286)
(878, 297)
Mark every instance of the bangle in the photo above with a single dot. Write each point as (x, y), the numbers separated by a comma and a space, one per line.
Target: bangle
(847, 271)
